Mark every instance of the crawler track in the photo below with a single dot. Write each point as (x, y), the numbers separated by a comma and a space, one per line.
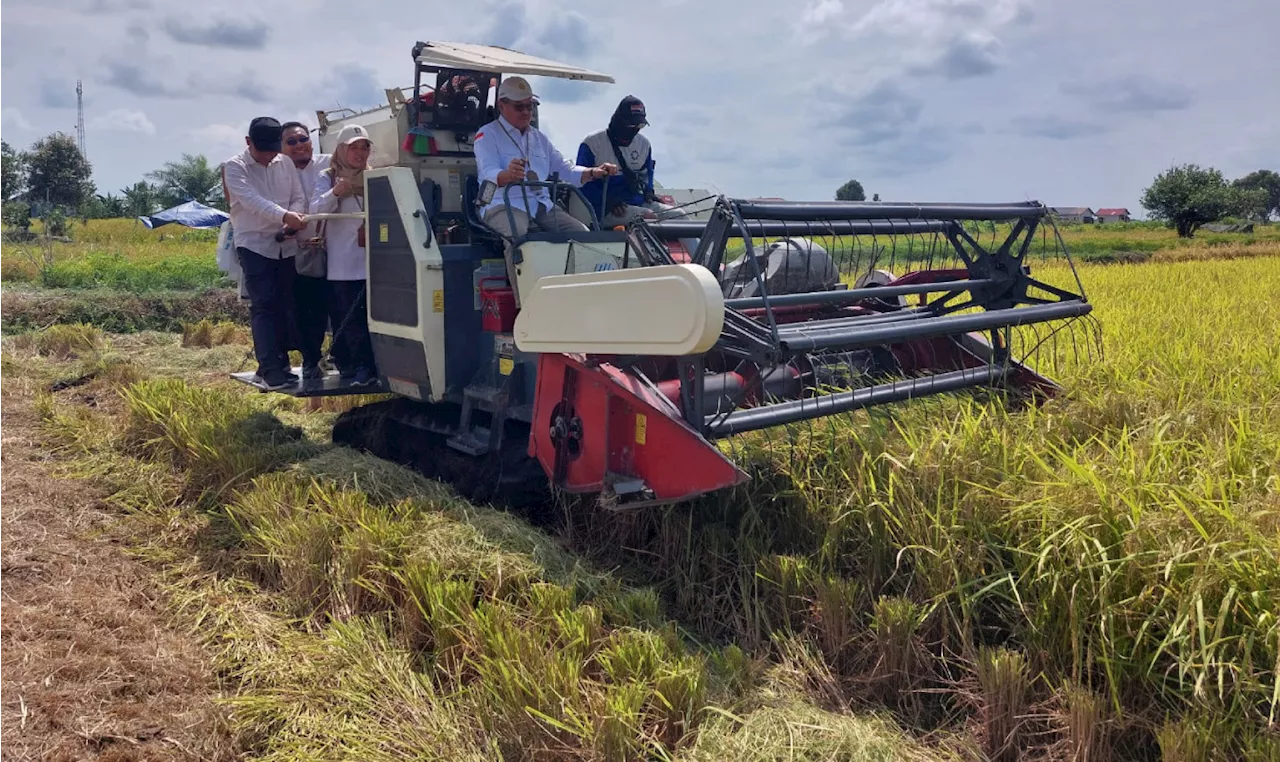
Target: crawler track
(415, 435)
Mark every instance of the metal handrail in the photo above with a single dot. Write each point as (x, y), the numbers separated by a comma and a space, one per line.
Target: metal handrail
(554, 183)
(334, 216)
(322, 216)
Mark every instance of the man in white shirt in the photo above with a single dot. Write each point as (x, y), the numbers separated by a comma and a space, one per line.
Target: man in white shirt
(266, 200)
(310, 290)
(510, 150)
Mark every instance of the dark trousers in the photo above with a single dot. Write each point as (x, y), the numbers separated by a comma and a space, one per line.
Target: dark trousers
(351, 346)
(311, 300)
(271, 312)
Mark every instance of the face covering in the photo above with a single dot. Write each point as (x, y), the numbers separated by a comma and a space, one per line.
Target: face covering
(622, 134)
(621, 131)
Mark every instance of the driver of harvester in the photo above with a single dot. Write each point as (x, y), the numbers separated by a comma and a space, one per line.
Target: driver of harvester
(510, 150)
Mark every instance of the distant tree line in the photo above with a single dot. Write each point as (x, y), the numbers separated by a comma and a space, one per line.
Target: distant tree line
(51, 179)
(1184, 197)
(1188, 196)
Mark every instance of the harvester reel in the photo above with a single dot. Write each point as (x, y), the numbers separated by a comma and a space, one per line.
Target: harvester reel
(790, 266)
(875, 278)
(942, 300)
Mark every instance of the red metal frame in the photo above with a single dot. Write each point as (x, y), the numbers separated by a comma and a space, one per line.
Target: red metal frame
(628, 431)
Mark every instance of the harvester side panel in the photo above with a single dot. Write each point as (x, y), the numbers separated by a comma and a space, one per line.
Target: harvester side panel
(408, 304)
(393, 285)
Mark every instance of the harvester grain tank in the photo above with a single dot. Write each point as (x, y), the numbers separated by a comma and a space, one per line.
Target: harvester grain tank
(629, 359)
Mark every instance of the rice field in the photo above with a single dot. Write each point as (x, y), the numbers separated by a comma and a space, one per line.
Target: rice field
(948, 579)
(121, 254)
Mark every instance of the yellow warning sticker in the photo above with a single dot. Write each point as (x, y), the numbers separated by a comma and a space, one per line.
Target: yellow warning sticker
(506, 365)
(384, 230)
(437, 300)
(642, 426)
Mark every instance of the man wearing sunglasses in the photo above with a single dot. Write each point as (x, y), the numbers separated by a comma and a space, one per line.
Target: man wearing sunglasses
(511, 150)
(310, 290)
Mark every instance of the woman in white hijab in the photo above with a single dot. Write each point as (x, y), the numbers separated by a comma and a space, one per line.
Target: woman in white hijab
(340, 188)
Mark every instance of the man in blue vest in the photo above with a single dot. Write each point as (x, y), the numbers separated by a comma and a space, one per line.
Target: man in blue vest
(628, 194)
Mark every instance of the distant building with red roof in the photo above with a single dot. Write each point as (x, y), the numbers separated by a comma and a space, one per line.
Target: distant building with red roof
(1113, 215)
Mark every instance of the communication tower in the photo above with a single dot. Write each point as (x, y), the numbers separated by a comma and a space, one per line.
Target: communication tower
(80, 118)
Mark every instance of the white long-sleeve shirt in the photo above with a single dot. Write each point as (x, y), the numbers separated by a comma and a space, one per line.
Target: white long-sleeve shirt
(310, 173)
(259, 197)
(307, 177)
(346, 256)
(498, 142)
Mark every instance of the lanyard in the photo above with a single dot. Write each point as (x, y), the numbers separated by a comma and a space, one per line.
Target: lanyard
(524, 151)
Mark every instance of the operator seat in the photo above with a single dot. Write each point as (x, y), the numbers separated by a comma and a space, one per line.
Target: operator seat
(479, 230)
(575, 206)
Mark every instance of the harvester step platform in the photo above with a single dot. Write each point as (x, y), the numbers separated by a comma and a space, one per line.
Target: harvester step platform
(475, 441)
(486, 398)
(330, 385)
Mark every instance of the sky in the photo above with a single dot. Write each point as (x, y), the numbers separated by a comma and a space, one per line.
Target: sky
(1070, 104)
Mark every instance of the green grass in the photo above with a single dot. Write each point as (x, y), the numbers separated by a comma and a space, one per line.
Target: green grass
(1098, 241)
(121, 255)
(114, 270)
(118, 312)
(124, 256)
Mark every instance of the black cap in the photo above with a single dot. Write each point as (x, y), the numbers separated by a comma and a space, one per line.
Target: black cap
(631, 111)
(264, 133)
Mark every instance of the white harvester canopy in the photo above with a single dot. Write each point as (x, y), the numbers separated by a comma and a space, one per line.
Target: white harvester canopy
(465, 55)
(430, 126)
(382, 121)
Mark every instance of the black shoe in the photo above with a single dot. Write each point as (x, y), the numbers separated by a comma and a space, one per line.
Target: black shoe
(275, 380)
(347, 374)
(312, 372)
(364, 377)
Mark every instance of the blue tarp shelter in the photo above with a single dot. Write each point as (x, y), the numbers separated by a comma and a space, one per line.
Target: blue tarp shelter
(192, 214)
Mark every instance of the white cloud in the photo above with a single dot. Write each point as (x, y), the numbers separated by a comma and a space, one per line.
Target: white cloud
(953, 39)
(820, 12)
(218, 141)
(13, 117)
(122, 120)
(754, 97)
(218, 133)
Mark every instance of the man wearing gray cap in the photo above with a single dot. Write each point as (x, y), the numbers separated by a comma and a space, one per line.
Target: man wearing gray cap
(510, 150)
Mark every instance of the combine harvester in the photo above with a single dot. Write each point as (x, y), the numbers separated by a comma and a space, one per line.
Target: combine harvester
(629, 359)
